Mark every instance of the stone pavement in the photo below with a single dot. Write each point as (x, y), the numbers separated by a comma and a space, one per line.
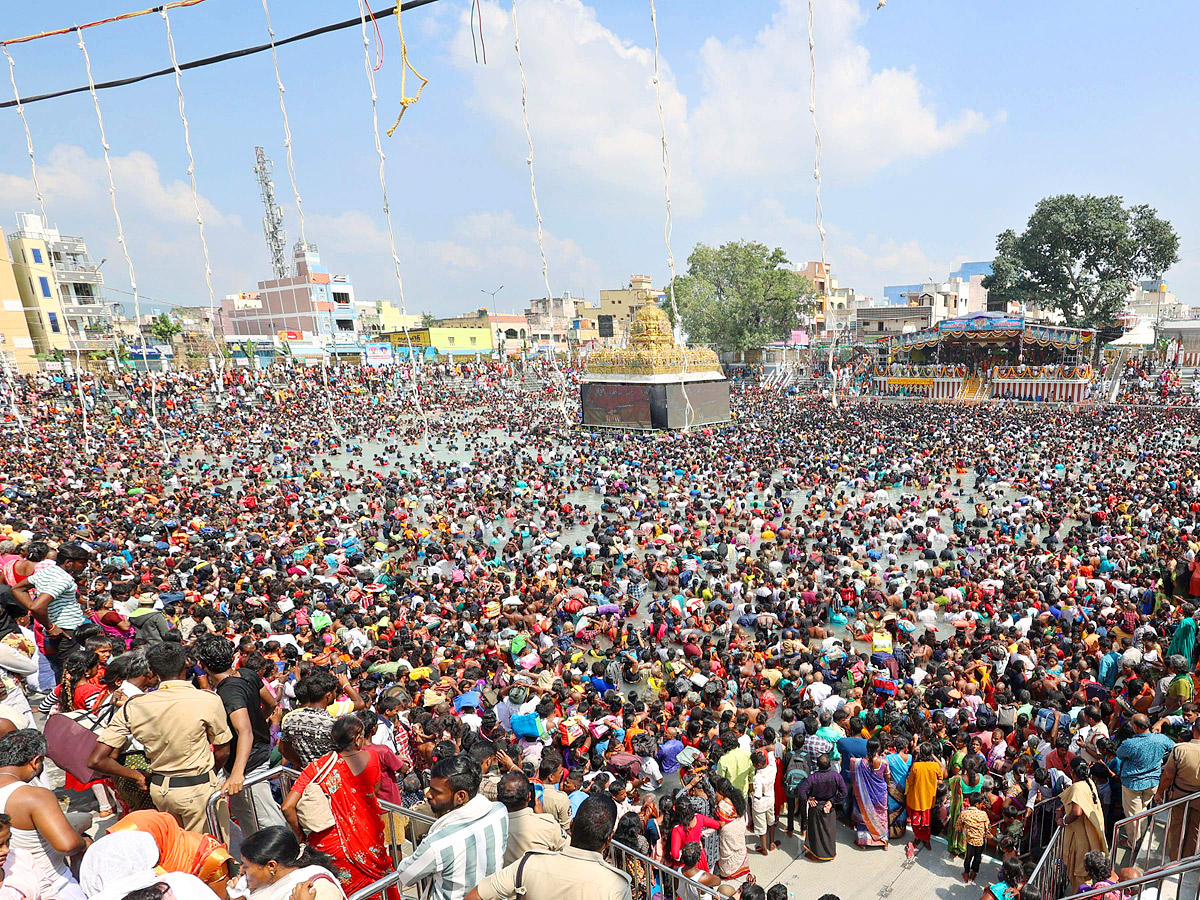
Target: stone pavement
(867, 874)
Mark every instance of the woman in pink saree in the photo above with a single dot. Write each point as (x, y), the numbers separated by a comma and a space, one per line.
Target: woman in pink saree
(869, 778)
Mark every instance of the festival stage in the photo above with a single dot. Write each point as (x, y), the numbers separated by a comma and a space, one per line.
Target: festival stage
(989, 356)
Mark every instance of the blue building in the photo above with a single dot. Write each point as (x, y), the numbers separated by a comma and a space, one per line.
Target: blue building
(893, 294)
(966, 270)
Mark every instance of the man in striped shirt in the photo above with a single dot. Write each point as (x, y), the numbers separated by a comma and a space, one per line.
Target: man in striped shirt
(51, 595)
(466, 843)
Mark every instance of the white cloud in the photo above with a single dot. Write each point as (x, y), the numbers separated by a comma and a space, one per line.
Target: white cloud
(69, 176)
(446, 274)
(591, 101)
(864, 262)
(755, 111)
(591, 104)
(158, 217)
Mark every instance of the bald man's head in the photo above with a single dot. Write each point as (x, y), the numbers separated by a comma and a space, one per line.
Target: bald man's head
(1140, 722)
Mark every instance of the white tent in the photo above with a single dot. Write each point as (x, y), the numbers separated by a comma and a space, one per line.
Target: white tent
(1141, 335)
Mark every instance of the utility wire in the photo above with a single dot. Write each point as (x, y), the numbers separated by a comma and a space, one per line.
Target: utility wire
(212, 60)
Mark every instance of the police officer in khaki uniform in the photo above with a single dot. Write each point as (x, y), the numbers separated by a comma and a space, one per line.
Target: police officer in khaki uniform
(527, 830)
(577, 872)
(555, 802)
(177, 724)
(1180, 777)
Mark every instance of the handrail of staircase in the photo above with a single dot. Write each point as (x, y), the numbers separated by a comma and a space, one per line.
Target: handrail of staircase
(1139, 832)
(1149, 885)
(1049, 875)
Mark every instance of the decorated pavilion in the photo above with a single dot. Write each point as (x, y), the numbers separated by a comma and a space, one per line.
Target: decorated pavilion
(989, 356)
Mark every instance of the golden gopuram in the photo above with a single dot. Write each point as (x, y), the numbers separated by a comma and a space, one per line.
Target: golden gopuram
(653, 383)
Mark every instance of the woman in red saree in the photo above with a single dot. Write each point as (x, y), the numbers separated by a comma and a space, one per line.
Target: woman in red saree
(349, 778)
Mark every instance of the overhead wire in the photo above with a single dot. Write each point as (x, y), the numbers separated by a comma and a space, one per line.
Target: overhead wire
(820, 212)
(287, 127)
(689, 415)
(387, 212)
(477, 10)
(537, 212)
(191, 172)
(112, 194)
(291, 167)
(37, 186)
(177, 4)
(41, 199)
(208, 60)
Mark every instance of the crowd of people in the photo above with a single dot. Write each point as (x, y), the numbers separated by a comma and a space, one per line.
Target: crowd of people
(535, 659)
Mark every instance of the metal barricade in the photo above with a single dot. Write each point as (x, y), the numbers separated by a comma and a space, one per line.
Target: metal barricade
(1049, 877)
(286, 777)
(656, 875)
(1159, 836)
(404, 829)
(1038, 828)
(1177, 882)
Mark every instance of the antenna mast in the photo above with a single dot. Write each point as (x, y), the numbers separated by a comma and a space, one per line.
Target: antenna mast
(273, 220)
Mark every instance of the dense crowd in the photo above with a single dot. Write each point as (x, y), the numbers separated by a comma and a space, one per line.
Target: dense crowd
(555, 660)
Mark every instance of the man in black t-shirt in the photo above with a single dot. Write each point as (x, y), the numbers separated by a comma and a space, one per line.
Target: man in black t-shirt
(249, 755)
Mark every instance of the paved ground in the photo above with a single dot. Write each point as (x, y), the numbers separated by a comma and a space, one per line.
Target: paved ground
(866, 874)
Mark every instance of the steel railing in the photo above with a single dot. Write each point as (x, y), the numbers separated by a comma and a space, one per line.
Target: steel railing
(1158, 836)
(1038, 828)
(1172, 883)
(285, 776)
(1049, 876)
(404, 829)
(656, 876)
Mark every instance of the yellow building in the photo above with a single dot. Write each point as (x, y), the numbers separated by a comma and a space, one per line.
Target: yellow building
(444, 341)
(622, 305)
(16, 346)
(61, 290)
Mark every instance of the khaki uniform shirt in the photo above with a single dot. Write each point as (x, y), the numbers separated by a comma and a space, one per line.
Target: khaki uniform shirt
(489, 784)
(570, 874)
(176, 724)
(556, 803)
(528, 830)
(1181, 771)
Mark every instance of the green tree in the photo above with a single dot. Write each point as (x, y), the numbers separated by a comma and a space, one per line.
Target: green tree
(1081, 257)
(164, 328)
(740, 296)
(426, 319)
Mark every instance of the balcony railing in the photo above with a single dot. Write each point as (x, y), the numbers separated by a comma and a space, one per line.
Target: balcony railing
(65, 272)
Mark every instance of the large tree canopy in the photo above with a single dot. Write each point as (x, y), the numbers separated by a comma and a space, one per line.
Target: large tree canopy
(1081, 256)
(740, 295)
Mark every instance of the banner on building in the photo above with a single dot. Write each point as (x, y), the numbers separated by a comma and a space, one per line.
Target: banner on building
(379, 354)
(291, 336)
(247, 301)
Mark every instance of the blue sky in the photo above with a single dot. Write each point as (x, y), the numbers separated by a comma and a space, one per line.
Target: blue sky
(944, 122)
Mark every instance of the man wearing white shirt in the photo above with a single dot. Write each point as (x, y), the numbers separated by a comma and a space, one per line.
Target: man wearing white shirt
(818, 691)
(1090, 734)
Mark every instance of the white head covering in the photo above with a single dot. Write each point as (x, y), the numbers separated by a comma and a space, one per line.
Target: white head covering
(117, 864)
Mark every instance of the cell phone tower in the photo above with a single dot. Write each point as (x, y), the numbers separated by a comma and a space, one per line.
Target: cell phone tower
(273, 220)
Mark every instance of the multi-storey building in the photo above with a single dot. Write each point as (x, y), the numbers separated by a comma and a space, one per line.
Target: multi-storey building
(312, 311)
(62, 290)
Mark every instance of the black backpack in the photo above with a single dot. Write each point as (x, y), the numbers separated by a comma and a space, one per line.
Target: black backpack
(985, 718)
